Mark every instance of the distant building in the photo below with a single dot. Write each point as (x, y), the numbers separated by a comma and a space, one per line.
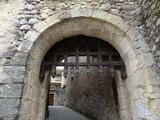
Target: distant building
(57, 88)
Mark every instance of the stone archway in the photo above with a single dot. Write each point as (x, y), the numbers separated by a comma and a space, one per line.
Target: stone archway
(103, 25)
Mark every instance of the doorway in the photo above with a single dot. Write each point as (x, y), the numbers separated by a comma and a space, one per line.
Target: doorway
(83, 77)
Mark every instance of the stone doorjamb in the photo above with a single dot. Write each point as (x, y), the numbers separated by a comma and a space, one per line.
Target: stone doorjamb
(141, 84)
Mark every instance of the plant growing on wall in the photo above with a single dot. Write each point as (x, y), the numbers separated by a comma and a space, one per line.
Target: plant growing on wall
(158, 10)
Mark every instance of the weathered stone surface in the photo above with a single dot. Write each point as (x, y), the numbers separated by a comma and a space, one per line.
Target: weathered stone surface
(33, 21)
(9, 103)
(142, 15)
(143, 111)
(23, 22)
(106, 7)
(126, 7)
(11, 90)
(25, 46)
(2, 34)
(114, 11)
(158, 22)
(12, 74)
(44, 16)
(98, 103)
(20, 59)
(16, 42)
(9, 118)
(6, 111)
(29, 7)
(32, 12)
(41, 26)
(158, 39)
(62, 6)
(31, 35)
(5, 61)
(25, 27)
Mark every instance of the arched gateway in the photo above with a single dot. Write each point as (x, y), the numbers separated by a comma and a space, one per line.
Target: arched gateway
(134, 101)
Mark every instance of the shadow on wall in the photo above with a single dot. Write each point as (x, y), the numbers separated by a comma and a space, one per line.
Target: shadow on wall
(92, 96)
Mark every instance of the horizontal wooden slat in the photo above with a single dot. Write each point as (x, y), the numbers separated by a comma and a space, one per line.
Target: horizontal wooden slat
(85, 53)
(84, 64)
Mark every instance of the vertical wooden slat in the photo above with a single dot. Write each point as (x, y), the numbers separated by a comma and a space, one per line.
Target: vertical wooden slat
(88, 62)
(123, 70)
(42, 70)
(72, 72)
(53, 72)
(111, 68)
(65, 65)
(77, 61)
(100, 67)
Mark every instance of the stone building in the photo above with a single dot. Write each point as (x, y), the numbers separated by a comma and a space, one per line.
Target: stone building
(57, 89)
(29, 28)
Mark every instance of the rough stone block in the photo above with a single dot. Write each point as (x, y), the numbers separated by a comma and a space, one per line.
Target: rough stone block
(31, 35)
(99, 14)
(9, 103)
(20, 59)
(25, 46)
(76, 26)
(144, 112)
(40, 27)
(124, 27)
(5, 62)
(65, 15)
(9, 118)
(107, 31)
(86, 12)
(8, 112)
(134, 34)
(67, 29)
(23, 22)
(94, 27)
(52, 20)
(12, 74)
(113, 19)
(25, 27)
(106, 7)
(75, 13)
(29, 7)
(32, 21)
(11, 90)
(149, 60)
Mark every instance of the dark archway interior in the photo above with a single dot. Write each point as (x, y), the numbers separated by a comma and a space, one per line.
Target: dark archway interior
(86, 44)
(86, 59)
(95, 52)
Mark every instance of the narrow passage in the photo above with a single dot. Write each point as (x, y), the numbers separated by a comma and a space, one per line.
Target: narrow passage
(63, 113)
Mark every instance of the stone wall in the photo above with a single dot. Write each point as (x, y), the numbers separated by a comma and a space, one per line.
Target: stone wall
(151, 27)
(19, 16)
(36, 11)
(92, 95)
(11, 77)
(59, 96)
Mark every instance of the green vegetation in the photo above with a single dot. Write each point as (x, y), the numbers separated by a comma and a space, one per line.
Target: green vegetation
(68, 106)
(159, 4)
